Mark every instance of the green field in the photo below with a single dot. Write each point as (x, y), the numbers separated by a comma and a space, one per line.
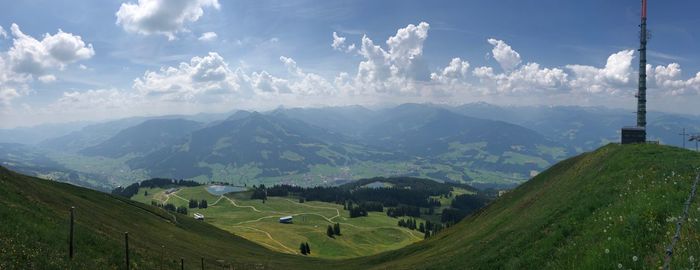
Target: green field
(614, 208)
(259, 222)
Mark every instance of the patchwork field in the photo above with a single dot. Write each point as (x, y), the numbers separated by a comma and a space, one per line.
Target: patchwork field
(259, 222)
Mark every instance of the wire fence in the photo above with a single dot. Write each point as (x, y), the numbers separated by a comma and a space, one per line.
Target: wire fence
(679, 224)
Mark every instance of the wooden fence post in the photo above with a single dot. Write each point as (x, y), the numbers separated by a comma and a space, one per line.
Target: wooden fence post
(126, 242)
(70, 241)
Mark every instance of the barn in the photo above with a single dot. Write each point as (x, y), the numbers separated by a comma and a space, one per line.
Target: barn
(287, 219)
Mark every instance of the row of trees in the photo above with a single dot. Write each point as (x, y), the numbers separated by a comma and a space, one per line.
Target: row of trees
(461, 206)
(170, 207)
(198, 204)
(387, 196)
(334, 230)
(260, 193)
(363, 208)
(428, 228)
(131, 190)
(404, 210)
(304, 248)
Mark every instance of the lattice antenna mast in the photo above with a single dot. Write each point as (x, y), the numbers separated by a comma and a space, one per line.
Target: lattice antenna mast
(642, 92)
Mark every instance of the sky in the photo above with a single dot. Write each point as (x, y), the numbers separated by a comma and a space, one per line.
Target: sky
(63, 61)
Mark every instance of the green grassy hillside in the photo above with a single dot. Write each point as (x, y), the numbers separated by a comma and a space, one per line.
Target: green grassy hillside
(34, 232)
(614, 208)
(599, 210)
(259, 222)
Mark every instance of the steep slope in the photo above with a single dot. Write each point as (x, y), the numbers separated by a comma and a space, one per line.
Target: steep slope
(143, 138)
(273, 145)
(34, 229)
(615, 206)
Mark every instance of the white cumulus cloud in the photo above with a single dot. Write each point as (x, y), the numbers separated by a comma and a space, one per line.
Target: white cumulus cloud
(187, 81)
(339, 44)
(504, 54)
(612, 79)
(208, 36)
(3, 33)
(456, 71)
(667, 78)
(163, 17)
(29, 58)
(395, 69)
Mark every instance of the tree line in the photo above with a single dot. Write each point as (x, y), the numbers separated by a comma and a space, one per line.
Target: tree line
(170, 207)
(428, 228)
(131, 190)
(198, 204)
(463, 205)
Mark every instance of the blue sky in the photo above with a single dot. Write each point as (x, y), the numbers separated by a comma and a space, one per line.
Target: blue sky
(125, 58)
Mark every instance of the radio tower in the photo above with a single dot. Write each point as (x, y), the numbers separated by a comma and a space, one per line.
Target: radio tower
(642, 94)
(638, 134)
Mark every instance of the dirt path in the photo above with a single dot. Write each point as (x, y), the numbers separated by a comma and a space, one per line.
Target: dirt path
(319, 207)
(243, 206)
(271, 238)
(178, 196)
(217, 201)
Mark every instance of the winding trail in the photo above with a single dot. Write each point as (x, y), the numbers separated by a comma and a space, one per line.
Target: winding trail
(217, 201)
(269, 236)
(319, 207)
(243, 206)
(178, 196)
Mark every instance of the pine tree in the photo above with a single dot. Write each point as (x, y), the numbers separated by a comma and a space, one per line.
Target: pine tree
(336, 229)
(426, 235)
(308, 249)
(329, 231)
(302, 248)
(145, 193)
(421, 228)
(203, 204)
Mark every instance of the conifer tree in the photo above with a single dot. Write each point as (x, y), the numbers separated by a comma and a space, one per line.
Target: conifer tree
(308, 249)
(302, 248)
(329, 231)
(336, 229)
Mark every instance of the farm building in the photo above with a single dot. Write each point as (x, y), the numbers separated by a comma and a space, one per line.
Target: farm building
(198, 216)
(287, 219)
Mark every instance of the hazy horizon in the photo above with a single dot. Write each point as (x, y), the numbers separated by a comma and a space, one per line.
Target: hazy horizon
(140, 58)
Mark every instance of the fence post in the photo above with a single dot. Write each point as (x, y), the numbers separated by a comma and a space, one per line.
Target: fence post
(126, 242)
(202, 263)
(182, 264)
(70, 241)
(162, 253)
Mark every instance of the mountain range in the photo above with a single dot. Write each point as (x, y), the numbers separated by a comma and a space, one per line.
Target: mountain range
(480, 144)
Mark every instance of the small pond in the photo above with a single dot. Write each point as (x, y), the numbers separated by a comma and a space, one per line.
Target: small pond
(219, 190)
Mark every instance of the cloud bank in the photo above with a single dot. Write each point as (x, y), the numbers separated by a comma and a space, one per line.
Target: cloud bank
(161, 17)
(390, 71)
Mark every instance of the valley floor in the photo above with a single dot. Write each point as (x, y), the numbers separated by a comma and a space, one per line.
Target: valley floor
(259, 222)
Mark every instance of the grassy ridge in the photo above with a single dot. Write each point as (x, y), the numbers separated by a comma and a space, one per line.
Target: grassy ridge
(613, 208)
(33, 235)
(599, 210)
